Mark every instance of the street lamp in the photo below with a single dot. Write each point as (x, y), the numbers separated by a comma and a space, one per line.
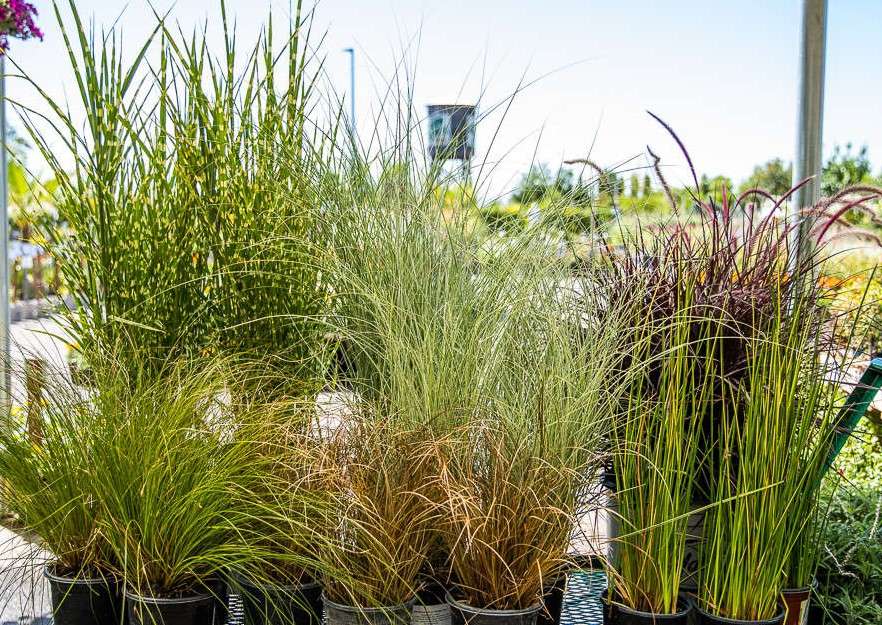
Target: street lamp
(351, 53)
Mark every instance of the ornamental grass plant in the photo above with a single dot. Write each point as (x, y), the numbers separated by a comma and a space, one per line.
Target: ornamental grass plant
(771, 463)
(45, 483)
(169, 475)
(191, 199)
(656, 457)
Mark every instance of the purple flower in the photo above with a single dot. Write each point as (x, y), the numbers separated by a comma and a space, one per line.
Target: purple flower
(17, 20)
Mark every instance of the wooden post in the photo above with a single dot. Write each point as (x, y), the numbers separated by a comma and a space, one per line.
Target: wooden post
(35, 380)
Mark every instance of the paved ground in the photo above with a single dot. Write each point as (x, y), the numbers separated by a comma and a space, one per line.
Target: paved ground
(24, 597)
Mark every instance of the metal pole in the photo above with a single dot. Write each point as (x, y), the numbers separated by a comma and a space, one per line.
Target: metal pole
(5, 362)
(351, 53)
(811, 114)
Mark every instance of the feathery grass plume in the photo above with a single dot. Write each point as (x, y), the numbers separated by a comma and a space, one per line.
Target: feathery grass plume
(191, 198)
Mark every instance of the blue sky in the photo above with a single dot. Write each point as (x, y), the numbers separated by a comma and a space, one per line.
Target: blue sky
(722, 73)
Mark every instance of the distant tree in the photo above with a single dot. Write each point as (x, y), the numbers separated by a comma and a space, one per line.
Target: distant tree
(635, 185)
(647, 185)
(844, 169)
(534, 185)
(539, 184)
(714, 186)
(773, 176)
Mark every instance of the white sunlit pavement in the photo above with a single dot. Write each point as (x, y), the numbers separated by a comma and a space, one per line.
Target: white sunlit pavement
(24, 595)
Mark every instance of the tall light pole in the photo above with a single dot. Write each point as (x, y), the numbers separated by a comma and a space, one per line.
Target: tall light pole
(351, 53)
(807, 163)
(5, 363)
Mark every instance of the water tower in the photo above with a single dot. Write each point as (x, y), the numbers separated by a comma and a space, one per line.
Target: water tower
(452, 134)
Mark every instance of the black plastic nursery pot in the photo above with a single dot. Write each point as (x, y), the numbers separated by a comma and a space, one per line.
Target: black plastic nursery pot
(198, 609)
(275, 604)
(704, 618)
(617, 614)
(339, 614)
(84, 601)
(220, 590)
(431, 606)
(552, 602)
(464, 614)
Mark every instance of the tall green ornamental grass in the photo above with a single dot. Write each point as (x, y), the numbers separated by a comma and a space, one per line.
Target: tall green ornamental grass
(191, 197)
(657, 455)
(771, 462)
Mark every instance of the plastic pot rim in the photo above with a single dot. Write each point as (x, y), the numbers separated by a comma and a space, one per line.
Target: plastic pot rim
(805, 589)
(775, 620)
(289, 587)
(133, 596)
(351, 608)
(50, 574)
(652, 615)
(536, 607)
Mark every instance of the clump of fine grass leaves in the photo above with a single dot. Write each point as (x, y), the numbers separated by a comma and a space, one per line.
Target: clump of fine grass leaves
(189, 207)
(514, 480)
(287, 512)
(771, 460)
(655, 459)
(382, 536)
(169, 475)
(45, 482)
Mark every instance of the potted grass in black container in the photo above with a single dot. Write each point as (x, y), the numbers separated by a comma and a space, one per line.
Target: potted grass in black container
(44, 483)
(761, 527)
(515, 478)
(167, 481)
(382, 526)
(289, 511)
(655, 459)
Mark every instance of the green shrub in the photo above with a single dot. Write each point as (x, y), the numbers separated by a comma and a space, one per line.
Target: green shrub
(850, 571)
(504, 217)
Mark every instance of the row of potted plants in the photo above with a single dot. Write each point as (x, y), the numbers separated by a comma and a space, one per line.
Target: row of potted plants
(483, 394)
(487, 392)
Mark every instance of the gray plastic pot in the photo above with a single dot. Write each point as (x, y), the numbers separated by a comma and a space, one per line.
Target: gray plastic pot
(339, 614)
(464, 614)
